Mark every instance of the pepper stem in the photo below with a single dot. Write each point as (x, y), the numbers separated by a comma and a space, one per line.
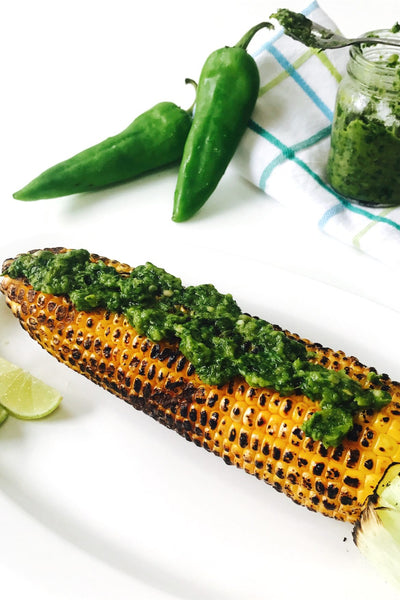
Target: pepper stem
(246, 39)
(194, 84)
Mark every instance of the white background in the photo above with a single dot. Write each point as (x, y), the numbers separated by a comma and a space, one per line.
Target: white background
(74, 73)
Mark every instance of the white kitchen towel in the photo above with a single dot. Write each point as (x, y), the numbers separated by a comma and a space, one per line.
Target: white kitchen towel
(284, 150)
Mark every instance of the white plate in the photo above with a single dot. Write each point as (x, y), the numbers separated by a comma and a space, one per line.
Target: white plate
(99, 501)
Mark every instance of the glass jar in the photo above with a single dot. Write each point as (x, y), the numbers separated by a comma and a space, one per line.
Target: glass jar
(364, 159)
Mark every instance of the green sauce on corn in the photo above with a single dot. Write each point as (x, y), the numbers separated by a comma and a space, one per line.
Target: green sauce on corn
(211, 330)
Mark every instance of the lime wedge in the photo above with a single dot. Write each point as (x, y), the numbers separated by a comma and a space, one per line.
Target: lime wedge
(3, 415)
(23, 395)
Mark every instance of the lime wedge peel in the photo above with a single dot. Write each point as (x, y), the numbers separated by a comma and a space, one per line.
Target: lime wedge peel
(23, 395)
(377, 533)
(3, 415)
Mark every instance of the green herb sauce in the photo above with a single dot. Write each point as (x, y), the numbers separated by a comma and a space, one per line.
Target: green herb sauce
(395, 28)
(297, 26)
(393, 61)
(212, 332)
(364, 161)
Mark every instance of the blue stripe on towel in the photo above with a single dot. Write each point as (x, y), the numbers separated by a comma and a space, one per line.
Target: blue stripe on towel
(331, 212)
(352, 207)
(283, 61)
(345, 203)
(309, 9)
(267, 45)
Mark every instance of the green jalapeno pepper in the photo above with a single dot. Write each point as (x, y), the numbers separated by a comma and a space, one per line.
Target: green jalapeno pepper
(154, 139)
(226, 95)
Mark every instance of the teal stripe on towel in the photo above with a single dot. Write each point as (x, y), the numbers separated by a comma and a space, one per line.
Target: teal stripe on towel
(288, 154)
(346, 204)
(352, 207)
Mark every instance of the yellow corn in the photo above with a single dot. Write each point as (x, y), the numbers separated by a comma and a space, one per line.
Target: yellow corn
(255, 429)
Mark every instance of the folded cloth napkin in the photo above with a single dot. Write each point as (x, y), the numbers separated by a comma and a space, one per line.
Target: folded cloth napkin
(284, 150)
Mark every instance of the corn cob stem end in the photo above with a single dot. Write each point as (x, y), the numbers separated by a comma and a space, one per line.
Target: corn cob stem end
(377, 532)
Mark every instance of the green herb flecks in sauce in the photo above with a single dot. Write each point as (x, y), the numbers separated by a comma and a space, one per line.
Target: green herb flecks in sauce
(297, 26)
(211, 330)
(364, 160)
(395, 28)
(392, 61)
(359, 141)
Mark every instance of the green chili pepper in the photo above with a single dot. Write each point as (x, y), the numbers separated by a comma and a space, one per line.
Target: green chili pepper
(154, 139)
(226, 95)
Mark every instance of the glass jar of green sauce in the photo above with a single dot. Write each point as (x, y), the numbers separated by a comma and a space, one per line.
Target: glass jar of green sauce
(364, 159)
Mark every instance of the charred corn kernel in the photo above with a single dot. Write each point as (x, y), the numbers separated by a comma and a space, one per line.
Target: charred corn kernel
(255, 429)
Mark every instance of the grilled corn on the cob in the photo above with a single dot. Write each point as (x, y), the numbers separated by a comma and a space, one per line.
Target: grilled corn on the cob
(256, 429)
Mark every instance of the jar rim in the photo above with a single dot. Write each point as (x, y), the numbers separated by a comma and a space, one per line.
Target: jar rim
(368, 53)
(369, 62)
